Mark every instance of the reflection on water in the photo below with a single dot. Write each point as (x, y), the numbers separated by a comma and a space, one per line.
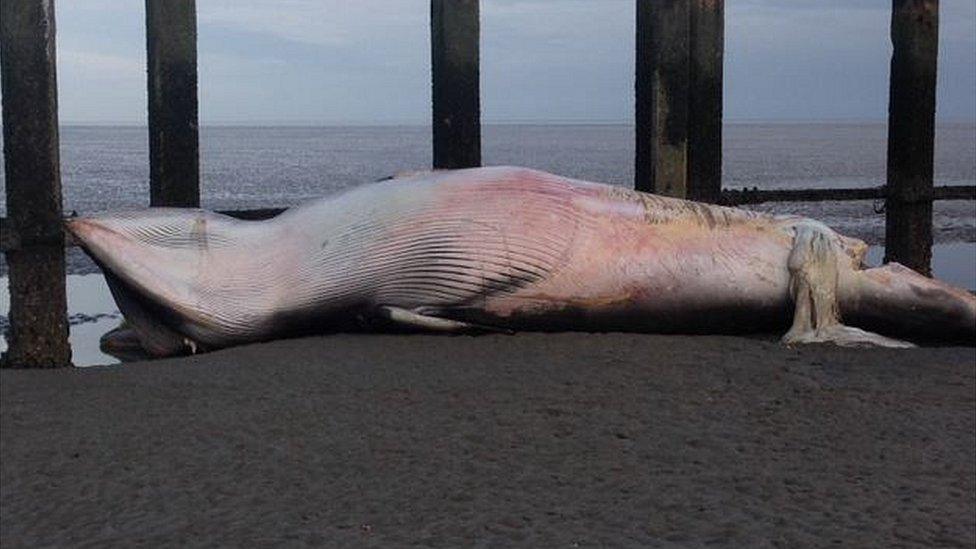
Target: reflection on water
(953, 263)
(93, 312)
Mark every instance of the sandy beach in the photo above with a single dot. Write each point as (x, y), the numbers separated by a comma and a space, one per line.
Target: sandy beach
(533, 439)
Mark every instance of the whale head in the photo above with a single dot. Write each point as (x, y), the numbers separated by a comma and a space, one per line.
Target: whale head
(183, 278)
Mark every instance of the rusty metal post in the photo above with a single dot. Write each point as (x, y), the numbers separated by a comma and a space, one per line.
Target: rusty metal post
(661, 86)
(38, 334)
(911, 133)
(707, 44)
(455, 74)
(171, 51)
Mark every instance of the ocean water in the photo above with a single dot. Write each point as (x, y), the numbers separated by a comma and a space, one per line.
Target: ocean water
(106, 168)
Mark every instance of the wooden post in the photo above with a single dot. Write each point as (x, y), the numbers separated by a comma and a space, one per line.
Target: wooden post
(454, 46)
(911, 133)
(707, 43)
(171, 48)
(661, 86)
(38, 334)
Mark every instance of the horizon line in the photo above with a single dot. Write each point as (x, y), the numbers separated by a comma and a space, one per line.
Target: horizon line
(497, 122)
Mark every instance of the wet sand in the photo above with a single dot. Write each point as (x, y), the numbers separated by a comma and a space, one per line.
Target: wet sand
(533, 439)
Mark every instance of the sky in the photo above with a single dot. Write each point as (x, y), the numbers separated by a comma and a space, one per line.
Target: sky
(368, 62)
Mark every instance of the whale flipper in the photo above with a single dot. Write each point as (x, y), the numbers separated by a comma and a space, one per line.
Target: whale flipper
(411, 319)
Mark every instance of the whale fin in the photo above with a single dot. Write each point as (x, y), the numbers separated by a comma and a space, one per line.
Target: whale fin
(844, 336)
(813, 265)
(412, 319)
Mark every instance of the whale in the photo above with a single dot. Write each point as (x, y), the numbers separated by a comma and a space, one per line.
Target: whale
(504, 249)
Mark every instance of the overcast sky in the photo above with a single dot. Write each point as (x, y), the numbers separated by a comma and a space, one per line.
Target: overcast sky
(318, 61)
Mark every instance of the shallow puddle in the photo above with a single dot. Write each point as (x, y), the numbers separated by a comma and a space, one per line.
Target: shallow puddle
(91, 313)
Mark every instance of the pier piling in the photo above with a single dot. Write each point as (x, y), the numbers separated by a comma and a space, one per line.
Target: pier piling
(455, 74)
(38, 335)
(661, 101)
(706, 51)
(171, 51)
(911, 133)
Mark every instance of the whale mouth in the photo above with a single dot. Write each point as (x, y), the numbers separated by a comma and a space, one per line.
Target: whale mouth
(150, 323)
(123, 344)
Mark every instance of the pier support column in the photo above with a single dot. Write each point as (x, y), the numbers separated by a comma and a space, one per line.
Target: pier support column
(661, 106)
(707, 45)
(911, 133)
(38, 335)
(454, 44)
(171, 51)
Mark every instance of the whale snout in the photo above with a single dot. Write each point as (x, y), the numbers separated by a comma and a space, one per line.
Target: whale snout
(184, 278)
(99, 238)
(83, 230)
(155, 248)
(119, 248)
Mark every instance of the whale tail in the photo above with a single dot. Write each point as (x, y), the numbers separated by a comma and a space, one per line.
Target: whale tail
(896, 300)
(828, 284)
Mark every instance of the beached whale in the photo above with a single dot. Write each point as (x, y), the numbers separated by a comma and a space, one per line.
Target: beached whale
(505, 249)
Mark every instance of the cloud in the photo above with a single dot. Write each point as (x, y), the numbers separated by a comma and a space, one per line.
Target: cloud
(316, 22)
(368, 60)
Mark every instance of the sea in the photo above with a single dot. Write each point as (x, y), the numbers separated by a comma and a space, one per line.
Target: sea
(105, 168)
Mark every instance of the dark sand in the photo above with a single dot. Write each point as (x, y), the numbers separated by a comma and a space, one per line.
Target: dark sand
(539, 440)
